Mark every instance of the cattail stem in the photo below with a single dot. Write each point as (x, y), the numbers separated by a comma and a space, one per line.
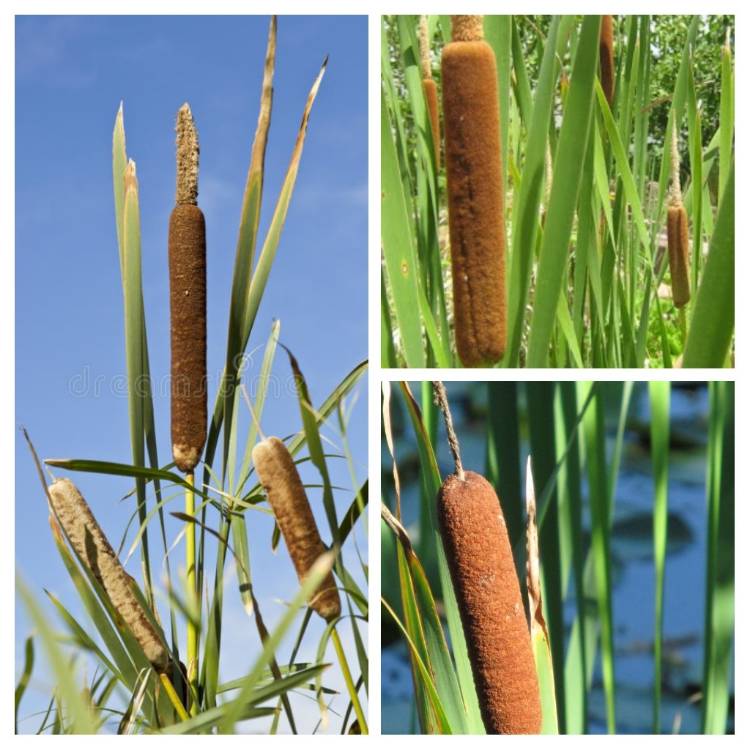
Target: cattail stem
(471, 118)
(350, 686)
(441, 398)
(174, 699)
(192, 598)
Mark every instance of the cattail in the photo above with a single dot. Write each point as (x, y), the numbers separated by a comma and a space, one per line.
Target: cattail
(607, 58)
(88, 540)
(484, 578)
(678, 242)
(471, 113)
(187, 295)
(286, 495)
(428, 87)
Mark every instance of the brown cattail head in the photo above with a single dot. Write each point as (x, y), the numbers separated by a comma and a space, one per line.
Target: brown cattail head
(607, 58)
(89, 542)
(187, 295)
(678, 244)
(471, 115)
(286, 495)
(484, 578)
(431, 98)
(428, 87)
(678, 241)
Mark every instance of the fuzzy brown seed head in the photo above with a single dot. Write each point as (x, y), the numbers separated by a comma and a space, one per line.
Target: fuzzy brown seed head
(678, 244)
(431, 98)
(288, 500)
(91, 545)
(471, 119)
(187, 157)
(187, 296)
(607, 58)
(467, 28)
(484, 578)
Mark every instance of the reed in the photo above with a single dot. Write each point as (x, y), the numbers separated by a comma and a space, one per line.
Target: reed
(607, 58)
(187, 290)
(471, 113)
(291, 508)
(678, 240)
(96, 553)
(429, 87)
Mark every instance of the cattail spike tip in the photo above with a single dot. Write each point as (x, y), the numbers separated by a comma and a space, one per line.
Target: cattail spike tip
(187, 157)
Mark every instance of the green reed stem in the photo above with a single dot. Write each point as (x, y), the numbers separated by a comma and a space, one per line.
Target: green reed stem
(174, 699)
(350, 686)
(192, 630)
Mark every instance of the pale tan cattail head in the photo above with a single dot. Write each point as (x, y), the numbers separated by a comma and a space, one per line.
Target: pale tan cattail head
(291, 508)
(467, 28)
(188, 153)
(187, 296)
(91, 545)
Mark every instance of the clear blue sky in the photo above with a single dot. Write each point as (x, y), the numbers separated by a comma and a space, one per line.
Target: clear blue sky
(71, 73)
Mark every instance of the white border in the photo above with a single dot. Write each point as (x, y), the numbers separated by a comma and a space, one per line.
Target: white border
(376, 374)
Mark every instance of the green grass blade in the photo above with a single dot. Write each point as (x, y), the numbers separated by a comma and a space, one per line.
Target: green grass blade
(659, 392)
(81, 637)
(249, 220)
(567, 175)
(119, 164)
(232, 712)
(526, 202)
(23, 680)
(315, 445)
(79, 713)
(712, 325)
(726, 118)
(503, 464)
(596, 460)
(719, 618)
(540, 400)
(398, 248)
(134, 348)
(260, 401)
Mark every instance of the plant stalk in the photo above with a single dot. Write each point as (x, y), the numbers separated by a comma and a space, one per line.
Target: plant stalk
(350, 686)
(174, 699)
(192, 629)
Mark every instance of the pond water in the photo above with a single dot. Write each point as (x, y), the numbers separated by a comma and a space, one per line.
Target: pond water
(632, 562)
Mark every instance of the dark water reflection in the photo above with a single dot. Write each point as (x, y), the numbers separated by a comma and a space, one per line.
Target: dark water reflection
(632, 552)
